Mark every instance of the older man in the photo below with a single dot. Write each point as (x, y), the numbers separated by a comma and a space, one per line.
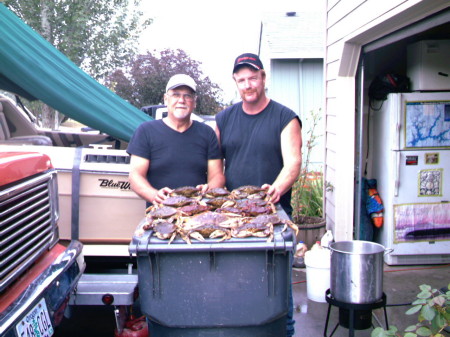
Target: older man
(175, 151)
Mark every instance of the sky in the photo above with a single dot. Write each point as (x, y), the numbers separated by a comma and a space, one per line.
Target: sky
(209, 31)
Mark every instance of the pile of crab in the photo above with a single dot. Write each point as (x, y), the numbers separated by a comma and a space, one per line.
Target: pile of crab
(219, 214)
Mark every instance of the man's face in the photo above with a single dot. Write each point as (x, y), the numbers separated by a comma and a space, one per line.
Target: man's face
(250, 84)
(180, 102)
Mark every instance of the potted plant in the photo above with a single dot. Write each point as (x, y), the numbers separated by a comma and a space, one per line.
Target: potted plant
(433, 308)
(307, 199)
(307, 192)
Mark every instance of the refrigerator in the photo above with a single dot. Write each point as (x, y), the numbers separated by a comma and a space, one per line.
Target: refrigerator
(409, 156)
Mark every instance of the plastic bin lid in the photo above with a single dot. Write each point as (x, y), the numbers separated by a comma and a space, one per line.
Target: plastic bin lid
(144, 242)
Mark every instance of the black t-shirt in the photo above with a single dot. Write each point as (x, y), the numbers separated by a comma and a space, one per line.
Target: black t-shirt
(176, 159)
(251, 145)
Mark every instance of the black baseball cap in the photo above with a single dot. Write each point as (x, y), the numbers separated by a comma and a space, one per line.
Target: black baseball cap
(248, 59)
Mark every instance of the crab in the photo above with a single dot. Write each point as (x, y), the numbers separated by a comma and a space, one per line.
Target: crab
(206, 225)
(220, 202)
(186, 191)
(161, 212)
(276, 220)
(245, 191)
(243, 203)
(251, 227)
(261, 226)
(258, 195)
(257, 210)
(152, 222)
(229, 210)
(178, 201)
(209, 231)
(217, 192)
(164, 230)
(254, 207)
(193, 209)
(155, 213)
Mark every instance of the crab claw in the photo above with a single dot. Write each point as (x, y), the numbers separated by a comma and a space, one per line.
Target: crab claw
(220, 233)
(186, 238)
(293, 226)
(148, 224)
(172, 237)
(228, 203)
(197, 236)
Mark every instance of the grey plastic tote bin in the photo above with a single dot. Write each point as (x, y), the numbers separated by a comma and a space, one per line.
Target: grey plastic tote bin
(238, 287)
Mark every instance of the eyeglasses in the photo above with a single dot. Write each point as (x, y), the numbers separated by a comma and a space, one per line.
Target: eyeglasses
(186, 97)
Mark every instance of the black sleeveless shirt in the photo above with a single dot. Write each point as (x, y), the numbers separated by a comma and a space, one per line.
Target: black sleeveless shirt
(251, 146)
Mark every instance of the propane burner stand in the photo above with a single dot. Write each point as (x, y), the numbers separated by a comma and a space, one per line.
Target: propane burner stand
(353, 316)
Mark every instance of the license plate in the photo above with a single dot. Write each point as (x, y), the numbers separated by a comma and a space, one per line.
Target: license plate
(36, 323)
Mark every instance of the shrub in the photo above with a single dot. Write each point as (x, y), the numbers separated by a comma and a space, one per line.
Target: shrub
(307, 194)
(307, 191)
(433, 309)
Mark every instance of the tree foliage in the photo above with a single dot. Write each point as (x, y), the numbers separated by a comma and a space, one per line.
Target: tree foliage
(98, 36)
(144, 81)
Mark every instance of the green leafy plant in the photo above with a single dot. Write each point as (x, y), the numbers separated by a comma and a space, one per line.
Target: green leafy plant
(433, 309)
(307, 191)
(307, 194)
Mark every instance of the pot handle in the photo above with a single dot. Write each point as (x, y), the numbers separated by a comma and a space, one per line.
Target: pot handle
(388, 251)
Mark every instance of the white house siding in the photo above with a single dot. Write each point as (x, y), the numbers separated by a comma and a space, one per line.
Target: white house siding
(311, 77)
(298, 84)
(349, 25)
(285, 83)
(292, 51)
(295, 34)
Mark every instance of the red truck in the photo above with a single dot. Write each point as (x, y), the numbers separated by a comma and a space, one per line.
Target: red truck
(98, 211)
(37, 272)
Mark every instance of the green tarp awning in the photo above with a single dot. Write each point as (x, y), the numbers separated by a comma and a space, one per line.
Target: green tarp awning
(31, 67)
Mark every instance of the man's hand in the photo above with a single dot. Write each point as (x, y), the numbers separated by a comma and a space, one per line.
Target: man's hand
(161, 195)
(202, 188)
(273, 192)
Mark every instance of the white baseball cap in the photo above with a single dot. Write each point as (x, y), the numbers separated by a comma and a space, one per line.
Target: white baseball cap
(179, 80)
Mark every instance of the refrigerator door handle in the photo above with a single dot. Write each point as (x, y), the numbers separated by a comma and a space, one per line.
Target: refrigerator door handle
(397, 106)
(397, 161)
(398, 128)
